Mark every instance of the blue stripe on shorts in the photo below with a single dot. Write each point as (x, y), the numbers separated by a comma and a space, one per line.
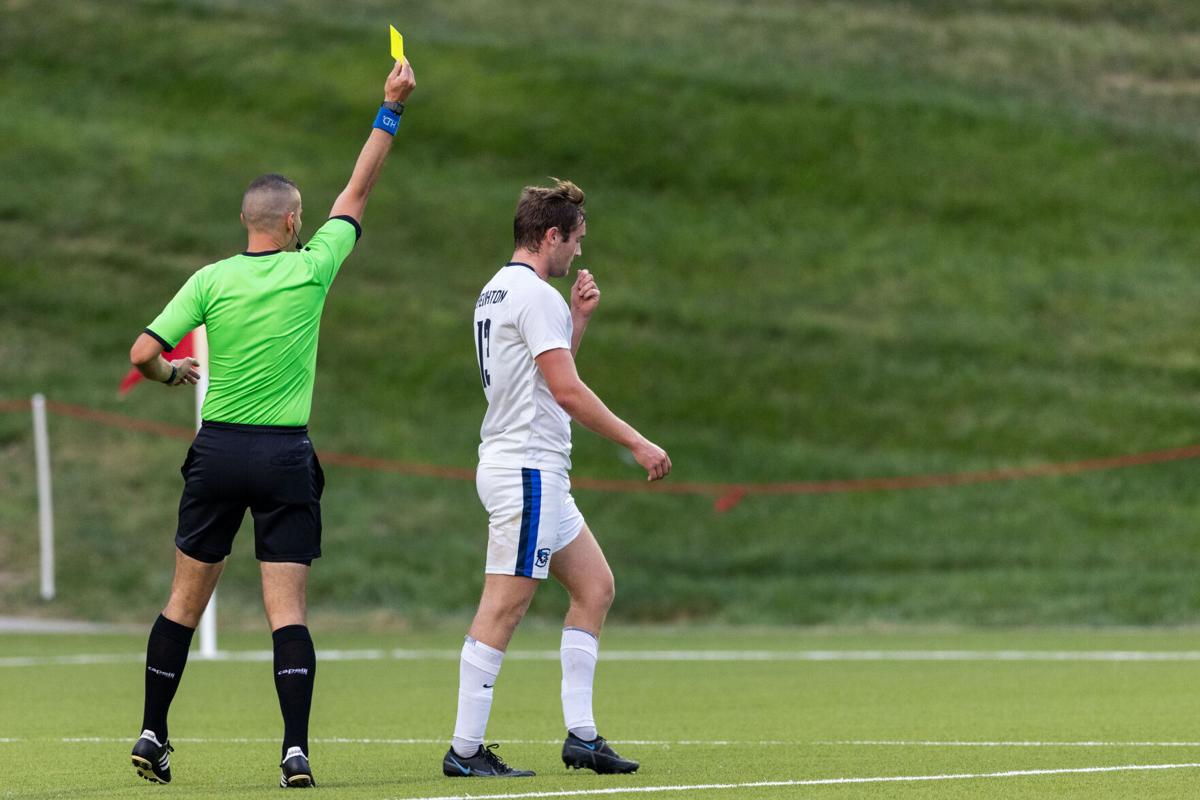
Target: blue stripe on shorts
(531, 513)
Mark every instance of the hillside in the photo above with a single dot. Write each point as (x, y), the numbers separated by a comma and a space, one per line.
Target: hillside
(835, 240)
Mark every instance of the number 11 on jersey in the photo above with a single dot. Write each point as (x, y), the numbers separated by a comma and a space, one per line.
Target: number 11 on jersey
(483, 346)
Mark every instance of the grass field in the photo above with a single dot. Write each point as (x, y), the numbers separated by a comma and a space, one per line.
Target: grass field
(867, 708)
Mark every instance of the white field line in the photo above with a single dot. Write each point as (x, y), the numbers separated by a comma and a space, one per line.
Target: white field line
(658, 655)
(35, 625)
(952, 743)
(1023, 773)
(439, 741)
(638, 742)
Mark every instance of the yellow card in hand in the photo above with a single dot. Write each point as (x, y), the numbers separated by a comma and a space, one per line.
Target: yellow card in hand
(397, 44)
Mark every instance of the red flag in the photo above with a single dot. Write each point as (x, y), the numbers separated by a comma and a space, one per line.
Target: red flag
(182, 350)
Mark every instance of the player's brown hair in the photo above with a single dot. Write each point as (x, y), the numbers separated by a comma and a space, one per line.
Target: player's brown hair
(542, 208)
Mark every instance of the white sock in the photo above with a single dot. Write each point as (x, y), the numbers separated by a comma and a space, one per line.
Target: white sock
(478, 667)
(579, 652)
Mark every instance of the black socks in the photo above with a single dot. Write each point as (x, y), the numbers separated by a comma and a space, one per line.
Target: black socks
(295, 671)
(166, 655)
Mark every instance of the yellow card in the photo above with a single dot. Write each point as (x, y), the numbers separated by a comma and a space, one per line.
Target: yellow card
(397, 44)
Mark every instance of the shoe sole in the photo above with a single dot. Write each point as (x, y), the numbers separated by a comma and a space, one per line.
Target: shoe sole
(146, 770)
(299, 782)
(583, 765)
(472, 774)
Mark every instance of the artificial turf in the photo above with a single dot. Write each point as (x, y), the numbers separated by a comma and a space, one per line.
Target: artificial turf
(380, 725)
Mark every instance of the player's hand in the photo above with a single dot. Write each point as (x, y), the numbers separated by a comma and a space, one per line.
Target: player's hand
(585, 295)
(400, 83)
(185, 371)
(653, 459)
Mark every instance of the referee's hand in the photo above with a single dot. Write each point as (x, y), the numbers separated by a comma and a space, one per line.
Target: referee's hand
(185, 371)
(400, 82)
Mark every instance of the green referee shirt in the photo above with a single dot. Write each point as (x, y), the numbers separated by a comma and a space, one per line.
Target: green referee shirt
(263, 314)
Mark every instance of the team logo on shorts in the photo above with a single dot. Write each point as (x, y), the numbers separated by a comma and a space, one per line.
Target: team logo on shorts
(543, 556)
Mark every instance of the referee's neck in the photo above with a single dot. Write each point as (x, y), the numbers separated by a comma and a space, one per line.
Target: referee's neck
(262, 242)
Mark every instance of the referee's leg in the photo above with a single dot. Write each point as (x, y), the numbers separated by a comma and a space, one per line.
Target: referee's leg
(191, 589)
(285, 586)
(166, 656)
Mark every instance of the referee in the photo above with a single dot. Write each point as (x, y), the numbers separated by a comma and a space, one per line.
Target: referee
(262, 310)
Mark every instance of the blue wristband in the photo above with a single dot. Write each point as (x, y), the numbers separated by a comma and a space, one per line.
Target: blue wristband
(387, 121)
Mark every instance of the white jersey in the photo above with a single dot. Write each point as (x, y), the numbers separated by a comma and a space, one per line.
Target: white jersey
(519, 316)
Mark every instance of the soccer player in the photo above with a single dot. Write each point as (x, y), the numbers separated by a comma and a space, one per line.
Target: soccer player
(262, 310)
(526, 339)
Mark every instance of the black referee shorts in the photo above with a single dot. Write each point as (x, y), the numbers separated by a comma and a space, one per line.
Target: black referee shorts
(271, 470)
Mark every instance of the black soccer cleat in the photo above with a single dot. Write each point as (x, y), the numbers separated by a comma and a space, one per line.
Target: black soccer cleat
(484, 764)
(151, 759)
(295, 771)
(595, 755)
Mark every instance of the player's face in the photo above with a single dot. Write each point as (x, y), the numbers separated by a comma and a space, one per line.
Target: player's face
(565, 251)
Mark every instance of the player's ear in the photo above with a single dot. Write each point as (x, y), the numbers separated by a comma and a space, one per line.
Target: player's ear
(242, 217)
(552, 235)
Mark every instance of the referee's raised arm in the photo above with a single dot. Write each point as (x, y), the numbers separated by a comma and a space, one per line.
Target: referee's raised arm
(353, 199)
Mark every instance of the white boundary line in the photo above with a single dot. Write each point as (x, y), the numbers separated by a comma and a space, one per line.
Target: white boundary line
(918, 743)
(1152, 656)
(1023, 773)
(637, 742)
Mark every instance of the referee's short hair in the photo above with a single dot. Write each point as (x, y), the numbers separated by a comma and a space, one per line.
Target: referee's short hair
(268, 199)
(542, 208)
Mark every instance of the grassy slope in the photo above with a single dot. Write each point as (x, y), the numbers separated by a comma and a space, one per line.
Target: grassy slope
(835, 240)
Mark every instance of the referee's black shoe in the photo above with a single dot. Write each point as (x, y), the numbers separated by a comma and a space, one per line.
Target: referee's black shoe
(484, 764)
(595, 755)
(151, 759)
(295, 773)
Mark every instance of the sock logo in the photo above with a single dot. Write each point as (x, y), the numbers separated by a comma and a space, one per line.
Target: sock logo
(293, 671)
(488, 685)
(158, 671)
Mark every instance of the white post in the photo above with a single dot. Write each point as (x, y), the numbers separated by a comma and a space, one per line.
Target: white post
(41, 442)
(208, 622)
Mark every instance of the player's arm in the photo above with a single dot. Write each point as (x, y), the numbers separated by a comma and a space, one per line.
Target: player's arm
(570, 392)
(146, 355)
(585, 296)
(353, 199)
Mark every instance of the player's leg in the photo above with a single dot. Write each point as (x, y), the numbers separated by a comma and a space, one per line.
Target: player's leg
(519, 517)
(286, 505)
(582, 569)
(501, 608)
(209, 516)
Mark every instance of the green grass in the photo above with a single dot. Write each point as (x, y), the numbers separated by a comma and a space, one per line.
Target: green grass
(835, 240)
(803, 709)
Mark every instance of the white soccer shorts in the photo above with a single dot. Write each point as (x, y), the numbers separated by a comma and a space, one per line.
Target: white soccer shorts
(531, 516)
